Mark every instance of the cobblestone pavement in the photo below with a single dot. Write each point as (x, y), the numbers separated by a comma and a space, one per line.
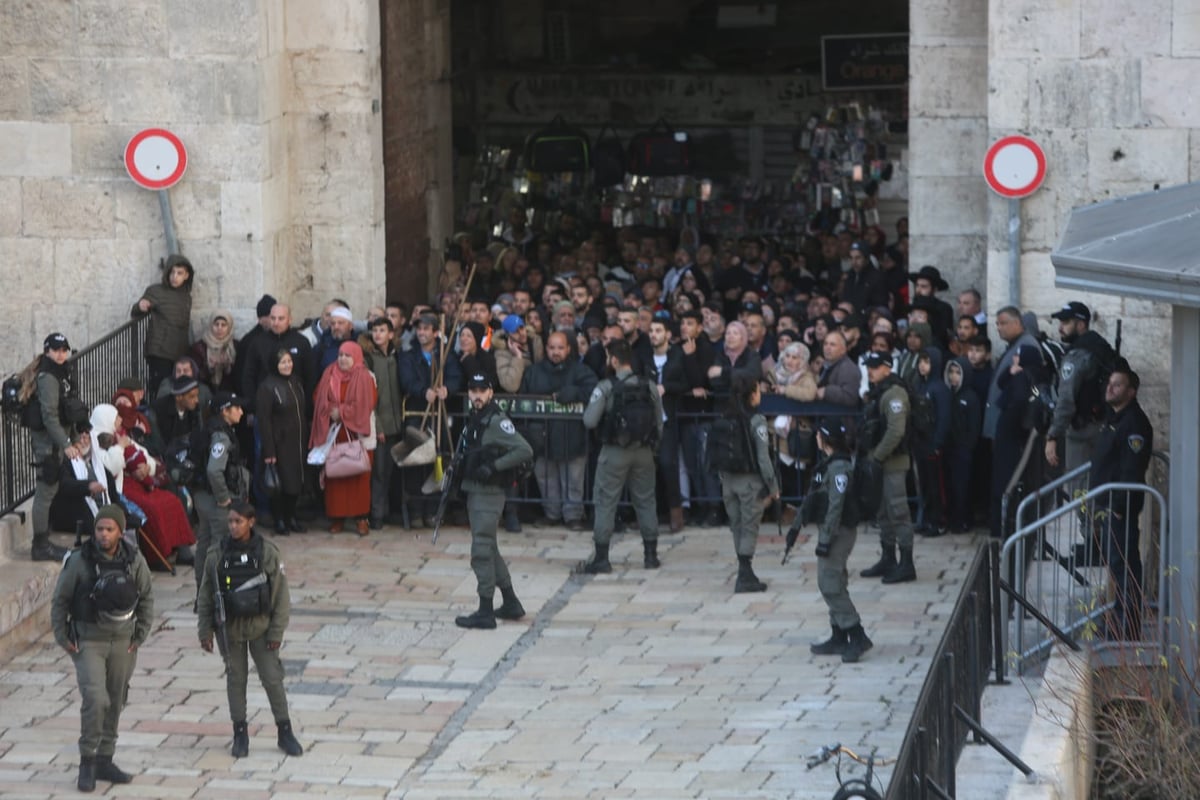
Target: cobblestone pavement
(641, 684)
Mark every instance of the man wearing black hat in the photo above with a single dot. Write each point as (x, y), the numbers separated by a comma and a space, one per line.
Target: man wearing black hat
(100, 614)
(926, 283)
(52, 415)
(1080, 408)
(244, 345)
(176, 415)
(221, 478)
(863, 285)
(886, 422)
(493, 453)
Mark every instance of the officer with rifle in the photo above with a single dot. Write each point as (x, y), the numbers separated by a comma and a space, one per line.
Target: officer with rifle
(100, 614)
(244, 601)
(493, 452)
(220, 476)
(628, 412)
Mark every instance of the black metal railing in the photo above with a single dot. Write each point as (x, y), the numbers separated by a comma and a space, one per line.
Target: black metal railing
(948, 707)
(97, 369)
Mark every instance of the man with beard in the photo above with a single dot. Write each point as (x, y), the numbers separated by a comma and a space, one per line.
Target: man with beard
(493, 452)
(698, 356)
(1080, 410)
(639, 343)
(561, 462)
(671, 382)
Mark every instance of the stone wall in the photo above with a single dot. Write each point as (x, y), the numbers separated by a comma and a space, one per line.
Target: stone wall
(275, 101)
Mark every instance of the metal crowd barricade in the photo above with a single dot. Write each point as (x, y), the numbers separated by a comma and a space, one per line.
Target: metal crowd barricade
(97, 369)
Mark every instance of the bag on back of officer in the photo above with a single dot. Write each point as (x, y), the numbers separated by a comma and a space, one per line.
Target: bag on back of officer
(1089, 404)
(864, 495)
(630, 420)
(243, 584)
(728, 445)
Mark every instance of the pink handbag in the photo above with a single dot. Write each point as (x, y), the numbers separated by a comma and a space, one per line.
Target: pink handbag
(347, 459)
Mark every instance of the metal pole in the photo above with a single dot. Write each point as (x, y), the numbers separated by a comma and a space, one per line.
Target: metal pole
(1182, 644)
(1014, 252)
(164, 204)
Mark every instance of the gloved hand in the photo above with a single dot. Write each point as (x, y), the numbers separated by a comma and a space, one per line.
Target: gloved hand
(822, 550)
(484, 473)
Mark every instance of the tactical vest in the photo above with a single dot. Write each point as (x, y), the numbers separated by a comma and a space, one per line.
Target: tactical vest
(477, 454)
(630, 420)
(729, 446)
(244, 586)
(112, 596)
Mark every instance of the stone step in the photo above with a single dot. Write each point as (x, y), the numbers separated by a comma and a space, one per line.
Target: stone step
(25, 587)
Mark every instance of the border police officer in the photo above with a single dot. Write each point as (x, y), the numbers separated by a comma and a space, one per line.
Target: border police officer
(1079, 410)
(101, 612)
(493, 451)
(1122, 455)
(51, 420)
(245, 582)
(745, 487)
(885, 441)
(628, 411)
(225, 479)
(835, 542)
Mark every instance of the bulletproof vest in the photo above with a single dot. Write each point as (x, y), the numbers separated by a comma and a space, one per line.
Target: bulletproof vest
(729, 445)
(200, 446)
(112, 596)
(243, 585)
(630, 420)
(477, 454)
(876, 424)
(71, 410)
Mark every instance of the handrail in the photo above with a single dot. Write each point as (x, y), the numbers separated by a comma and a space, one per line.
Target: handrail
(1053, 485)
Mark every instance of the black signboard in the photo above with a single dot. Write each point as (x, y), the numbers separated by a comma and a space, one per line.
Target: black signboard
(865, 61)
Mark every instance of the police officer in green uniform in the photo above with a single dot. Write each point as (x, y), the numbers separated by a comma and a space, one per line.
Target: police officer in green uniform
(628, 411)
(244, 578)
(224, 478)
(492, 451)
(100, 614)
(48, 418)
(833, 481)
(747, 481)
(884, 440)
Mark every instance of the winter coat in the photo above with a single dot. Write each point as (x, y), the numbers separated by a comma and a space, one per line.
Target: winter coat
(966, 412)
(841, 382)
(282, 407)
(568, 382)
(934, 387)
(389, 411)
(510, 369)
(170, 318)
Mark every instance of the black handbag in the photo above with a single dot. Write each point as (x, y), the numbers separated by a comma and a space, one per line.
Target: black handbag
(608, 158)
(271, 479)
(661, 150)
(558, 147)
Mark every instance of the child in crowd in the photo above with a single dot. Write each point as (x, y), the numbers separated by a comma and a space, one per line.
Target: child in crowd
(966, 422)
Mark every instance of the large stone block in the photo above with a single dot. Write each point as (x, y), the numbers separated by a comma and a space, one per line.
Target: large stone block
(168, 92)
(1008, 93)
(334, 81)
(1096, 93)
(948, 81)
(114, 271)
(335, 141)
(342, 264)
(196, 207)
(1185, 28)
(949, 205)
(229, 28)
(34, 149)
(1028, 28)
(14, 88)
(61, 208)
(962, 260)
(1168, 92)
(242, 210)
(35, 27)
(1132, 30)
(68, 89)
(225, 152)
(1039, 220)
(1136, 158)
(136, 214)
(129, 28)
(320, 25)
(227, 272)
(1194, 155)
(943, 146)
(933, 22)
(324, 197)
(10, 207)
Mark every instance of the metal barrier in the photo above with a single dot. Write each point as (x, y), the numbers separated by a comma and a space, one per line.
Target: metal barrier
(96, 369)
(950, 701)
(1065, 610)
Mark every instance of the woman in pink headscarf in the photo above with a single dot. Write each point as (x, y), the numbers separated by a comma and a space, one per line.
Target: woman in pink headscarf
(346, 394)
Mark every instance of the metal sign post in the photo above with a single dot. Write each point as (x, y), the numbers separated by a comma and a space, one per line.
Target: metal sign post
(1014, 167)
(156, 159)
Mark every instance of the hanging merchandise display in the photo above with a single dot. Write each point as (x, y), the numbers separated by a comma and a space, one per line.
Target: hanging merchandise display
(557, 148)
(660, 151)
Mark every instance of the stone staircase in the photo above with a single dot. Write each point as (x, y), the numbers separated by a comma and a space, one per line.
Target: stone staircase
(25, 586)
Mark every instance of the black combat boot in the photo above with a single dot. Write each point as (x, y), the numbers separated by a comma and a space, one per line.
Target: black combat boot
(241, 741)
(857, 645)
(904, 571)
(106, 770)
(287, 740)
(87, 774)
(512, 522)
(747, 581)
(835, 645)
(598, 564)
(650, 555)
(511, 608)
(45, 550)
(484, 618)
(884, 565)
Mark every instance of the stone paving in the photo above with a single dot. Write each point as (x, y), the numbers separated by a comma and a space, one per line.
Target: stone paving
(640, 684)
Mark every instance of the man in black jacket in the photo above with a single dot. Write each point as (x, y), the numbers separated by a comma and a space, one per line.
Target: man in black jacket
(669, 374)
(262, 353)
(698, 355)
(863, 284)
(560, 447)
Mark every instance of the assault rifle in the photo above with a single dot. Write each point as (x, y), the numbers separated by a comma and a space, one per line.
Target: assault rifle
(222, 629)
(448, 478)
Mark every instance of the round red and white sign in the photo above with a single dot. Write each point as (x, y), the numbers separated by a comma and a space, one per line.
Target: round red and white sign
(1014, 166)
(155, 158)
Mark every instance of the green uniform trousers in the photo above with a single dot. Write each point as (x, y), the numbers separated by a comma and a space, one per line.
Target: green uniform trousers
(744, 507)
(895, 523)
(615, 467)
(832, 578)
(43, 493)
(483, 511)
(102, 668)
(213, 525)
(270, 672)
